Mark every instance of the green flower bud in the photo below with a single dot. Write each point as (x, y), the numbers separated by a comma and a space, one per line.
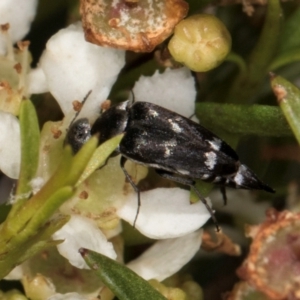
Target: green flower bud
(201, 42)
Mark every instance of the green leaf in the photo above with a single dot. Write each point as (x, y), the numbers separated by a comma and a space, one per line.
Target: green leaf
(285, 58)
(237, 59)
(4, 210)
(100, 156)
(288, 97)
(67, 174)
(30, 139)
(245, 85)
(14, 223)
(43, 239)
(123, 282)
(290, 35)
(16, 251)
(46, 211)
(42, 205)
(260, 120)
(81, 160)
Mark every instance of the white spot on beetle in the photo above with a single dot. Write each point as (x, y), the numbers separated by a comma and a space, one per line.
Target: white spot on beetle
(167, 152)
(218, 179)
(140, 142)
(153, 113)
(183, 172)
(239, 177)
(211, 159)
(169, 147)
(215, 144)
(205, 176)
(175, 126)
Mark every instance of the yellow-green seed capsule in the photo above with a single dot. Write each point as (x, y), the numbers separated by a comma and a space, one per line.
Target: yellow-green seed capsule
(201, 42)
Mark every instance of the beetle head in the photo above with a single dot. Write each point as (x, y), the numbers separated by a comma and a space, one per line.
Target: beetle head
(112, 122)
(78, 134)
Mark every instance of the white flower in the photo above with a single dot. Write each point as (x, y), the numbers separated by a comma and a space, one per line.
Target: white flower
(10, 145)
(166, 257)
(82, 232)
(15, 274)
(173, 89)
(19, 15)
(71, 67)
(165, 213)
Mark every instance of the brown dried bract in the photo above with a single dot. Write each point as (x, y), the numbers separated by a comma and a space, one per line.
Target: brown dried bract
(18, 68)
(221, 244)
(77, 105)
(280, 92)
(84, 195)
(4, 27)
(164, 58)
(56, 132)
(137, 26)
(273, 264)
(23, 45)
(105, 105)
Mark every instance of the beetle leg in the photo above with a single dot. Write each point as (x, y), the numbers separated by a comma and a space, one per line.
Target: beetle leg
(191, 183)
(134, 186)
(223, 192)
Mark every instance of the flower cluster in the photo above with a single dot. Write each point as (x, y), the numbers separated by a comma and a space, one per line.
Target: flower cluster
(69, 68)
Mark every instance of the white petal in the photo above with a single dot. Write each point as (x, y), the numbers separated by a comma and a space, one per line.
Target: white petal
(10, 145)
(173, 89)
(166, 257)
(165, 213)
(37, 82)
(15, 274)
(19, 14)
(73, 67)
(82, 232)
(68, 296)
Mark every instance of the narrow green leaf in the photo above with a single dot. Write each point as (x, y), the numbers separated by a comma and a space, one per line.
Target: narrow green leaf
(14, 223)
(260, 120)
(237, 59)
(246, 85)
(4, 210)
(68, 173)
(288, 97)
(81, 160)
(30, 137)
(14, 252)
(47, 210)
(100, 156)
(123, 282)
(285, 58)
(290, 35)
